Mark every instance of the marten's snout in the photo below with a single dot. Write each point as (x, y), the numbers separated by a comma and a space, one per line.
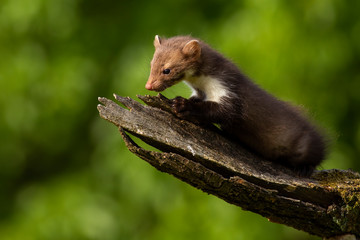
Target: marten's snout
(151, 83)
(154, 85)
(148, 86)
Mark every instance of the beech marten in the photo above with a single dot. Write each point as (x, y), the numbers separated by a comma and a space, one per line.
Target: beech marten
(223, 95)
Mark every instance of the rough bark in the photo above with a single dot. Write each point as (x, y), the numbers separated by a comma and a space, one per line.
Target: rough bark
(326, 205)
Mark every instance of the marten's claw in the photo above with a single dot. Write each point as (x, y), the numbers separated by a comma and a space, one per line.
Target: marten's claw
(181, 105)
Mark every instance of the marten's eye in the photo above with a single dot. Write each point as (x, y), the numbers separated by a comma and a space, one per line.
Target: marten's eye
(166, 71)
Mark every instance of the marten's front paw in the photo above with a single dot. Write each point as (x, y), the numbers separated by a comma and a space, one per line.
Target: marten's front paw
(181, 106)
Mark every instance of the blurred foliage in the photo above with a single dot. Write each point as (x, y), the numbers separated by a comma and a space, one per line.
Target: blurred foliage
(66, 174)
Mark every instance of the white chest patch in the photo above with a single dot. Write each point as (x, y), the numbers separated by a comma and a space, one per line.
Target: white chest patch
(213, 88)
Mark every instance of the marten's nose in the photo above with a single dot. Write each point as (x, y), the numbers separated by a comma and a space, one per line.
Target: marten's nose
(148, 86)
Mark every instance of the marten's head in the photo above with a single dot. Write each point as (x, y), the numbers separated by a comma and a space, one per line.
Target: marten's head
(174, 59)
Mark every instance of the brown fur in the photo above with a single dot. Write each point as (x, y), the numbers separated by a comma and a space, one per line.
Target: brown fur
(270, 127)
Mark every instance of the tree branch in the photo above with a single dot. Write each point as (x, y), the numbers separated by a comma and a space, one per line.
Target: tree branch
(326, 205)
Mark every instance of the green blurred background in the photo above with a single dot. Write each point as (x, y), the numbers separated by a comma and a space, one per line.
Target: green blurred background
(66, 174)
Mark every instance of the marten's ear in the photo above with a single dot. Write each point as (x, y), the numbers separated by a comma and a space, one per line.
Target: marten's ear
(157, 41)
(192, 48)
